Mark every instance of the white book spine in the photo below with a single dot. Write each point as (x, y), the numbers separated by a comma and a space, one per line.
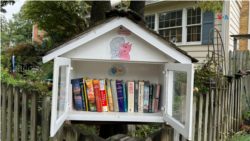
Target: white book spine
(141, 98)
(130, 97)
(114, 95)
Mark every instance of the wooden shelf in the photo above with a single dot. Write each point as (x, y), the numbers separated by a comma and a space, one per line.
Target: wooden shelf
(116, 116)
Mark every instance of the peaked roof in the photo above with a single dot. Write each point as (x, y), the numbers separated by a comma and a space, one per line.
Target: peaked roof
(111, 16)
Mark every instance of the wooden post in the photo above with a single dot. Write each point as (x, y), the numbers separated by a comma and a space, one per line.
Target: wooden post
(219, 114)
(16, 113)
(25, 115)
(3, 128)
(10, 112)
(230, 63)
(194, 115)
(223, 99)
(239, 103)
(200, 117)
(205, 118)
(235, 48)
(215, 113)
(59, 135)
(235, 106)
(211, 114)
(45, 118)
(33, 115)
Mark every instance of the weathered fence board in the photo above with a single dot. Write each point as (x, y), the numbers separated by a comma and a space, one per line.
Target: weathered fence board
(3, 128)
(9, 123)
(16, 113)
(45, 118)
(24, 115)
(33, 118)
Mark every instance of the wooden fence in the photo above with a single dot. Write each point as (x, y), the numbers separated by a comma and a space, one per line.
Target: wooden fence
(238, 60)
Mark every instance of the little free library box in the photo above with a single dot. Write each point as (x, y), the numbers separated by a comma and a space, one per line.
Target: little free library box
(122, 48)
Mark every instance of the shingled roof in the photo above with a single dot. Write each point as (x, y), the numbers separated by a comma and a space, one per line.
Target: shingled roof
(129, 14)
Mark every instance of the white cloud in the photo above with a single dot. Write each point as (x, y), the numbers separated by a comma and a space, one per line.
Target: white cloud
(13, 9)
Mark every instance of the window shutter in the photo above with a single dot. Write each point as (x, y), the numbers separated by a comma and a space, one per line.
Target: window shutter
(207, 24)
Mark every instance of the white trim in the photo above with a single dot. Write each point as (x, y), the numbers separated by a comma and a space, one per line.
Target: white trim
(223, 32)
(104, 28)
(249, 26)
(157, 22)
(184, 29)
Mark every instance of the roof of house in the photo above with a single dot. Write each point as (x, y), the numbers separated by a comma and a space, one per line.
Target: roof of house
(129, 14)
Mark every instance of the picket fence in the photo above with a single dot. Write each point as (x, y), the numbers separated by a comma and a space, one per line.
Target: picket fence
(238, 60)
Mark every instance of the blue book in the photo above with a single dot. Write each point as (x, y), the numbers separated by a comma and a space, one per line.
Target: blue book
(146, 97)
(125, 97)
(120, 95)
(76, 90)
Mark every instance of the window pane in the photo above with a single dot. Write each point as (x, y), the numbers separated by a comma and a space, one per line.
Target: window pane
(179, 38)
(198, 19)
(188, 38)
(62, 91)
(193, 12)
(146, 18)
(153, 19)
(167, 32)
(189, 30)
(189, 12)
(179, 22)
(166, 24)
(194, 37)
(173, 32)
(179, 31)
(161, 17)
(173, 35)
(161, 25)
(161, 32)
(193, 20)
(172, 23)
(198, 29)
(179, 96)
(167, 16)
(198, 37)
(194, 29)
(179, 14)
(198, 11)
(188, 21)
(153, 26)
(173, 15)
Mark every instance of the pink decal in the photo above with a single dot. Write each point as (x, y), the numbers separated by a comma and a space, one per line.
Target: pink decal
(125, 49)
(125, 32)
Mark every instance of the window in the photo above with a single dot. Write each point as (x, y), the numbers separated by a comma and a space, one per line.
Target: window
(150, 21)
(38, 32)
(193, 25)
(170, 26)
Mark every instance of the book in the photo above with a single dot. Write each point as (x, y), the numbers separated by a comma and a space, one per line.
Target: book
(141, 96)
(84, 106)
(110, 98)
(120, 95)
(103, 95)
(76, 90)
(153, 103)
(106, 94)
(131, 96)
(91, 95)
(114, 95)
(136, 96)
(98, 97)
(157, 98)
(125, 97)
(85, 93)
(146, 97)
(150, 98)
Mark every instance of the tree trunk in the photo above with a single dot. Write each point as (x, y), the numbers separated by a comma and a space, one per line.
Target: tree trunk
(98, 11)
(138, 7)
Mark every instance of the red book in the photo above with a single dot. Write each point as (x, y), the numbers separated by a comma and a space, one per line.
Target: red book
(157, 98)
(98, 97)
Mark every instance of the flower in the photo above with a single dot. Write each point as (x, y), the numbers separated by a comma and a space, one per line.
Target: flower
(32, 82)
(6, 69)
(46, 90)
(41, 82)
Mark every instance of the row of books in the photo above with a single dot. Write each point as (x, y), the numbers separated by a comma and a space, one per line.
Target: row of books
(115, 95)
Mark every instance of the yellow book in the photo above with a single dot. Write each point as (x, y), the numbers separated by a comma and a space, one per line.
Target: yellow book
(86, 97)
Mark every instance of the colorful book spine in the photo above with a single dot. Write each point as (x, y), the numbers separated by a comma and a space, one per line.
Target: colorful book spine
(103, 95)
(141, 97)
(157, 97)
(84, 106)
(114, 94)
(110, 98)
(77, 94)
(154, 92)
(150, 98)
(106, 94)
(85, 93)
(146, 97)
(91, 95)
(136, 96)
(120, 95)
(130, 96)
(125, 97)
(98, 97)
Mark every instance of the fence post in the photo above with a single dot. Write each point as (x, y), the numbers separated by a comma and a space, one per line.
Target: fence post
(219, 113)
(205, 117)
(215, 113)
(235, 105)
(16, 113)
(45, 118)
(4, 110)
(200, 117)
(211, 112)
(25, 115)
(33, 115)
(230, 63)
(10, 102)
(194, 115)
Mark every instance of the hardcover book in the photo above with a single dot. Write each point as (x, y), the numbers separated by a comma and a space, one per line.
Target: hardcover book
(103, 94)
(120, 95)
(85, 93)
(136, 96)
(84, 106)
(154, 92)
(157, 98)
(146, 97)
(110, 98)
(125, 97)
(98, 97)
(131, 96)
(114, 95)
(141, 97)
(150, 98)
(77, 93)
(106, 94)
(91, 95)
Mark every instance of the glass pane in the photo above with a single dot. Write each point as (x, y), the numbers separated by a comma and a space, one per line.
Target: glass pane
(153, 19)
(179, 96)
(198, 37)
(153, 26)
(172, 23)
(193, 12)
(62, 91)
(189, 30)
(189, 12)
(179, 14)
(161, 17)
(198, 19)
(188, 21)
(167, 17)
(146, 19)
(198, 11)
(161, 32)
(173, 15)
(194, 37)
(193, 20)
(173, 32)
(188, 38)
(179, 21)
(166, 24)
(167, 32)
(179, 31)
(179, 38)
(198, 29)
(160, 24)
(194, 29)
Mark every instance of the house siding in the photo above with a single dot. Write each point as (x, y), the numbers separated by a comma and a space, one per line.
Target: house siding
(197, 51)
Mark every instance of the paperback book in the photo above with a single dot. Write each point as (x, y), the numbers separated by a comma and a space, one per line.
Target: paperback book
(77, 94)
(91, 95)
(131, 96)
(120, 95)
(146, 96)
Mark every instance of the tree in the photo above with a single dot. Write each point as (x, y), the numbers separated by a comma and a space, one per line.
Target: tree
(4, 3)
(98, 11)
(210, 5)
(60, 19)
(138, 7)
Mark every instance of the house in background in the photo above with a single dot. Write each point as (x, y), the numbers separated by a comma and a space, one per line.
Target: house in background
(244, 25)
(37, 35)
(189, 29)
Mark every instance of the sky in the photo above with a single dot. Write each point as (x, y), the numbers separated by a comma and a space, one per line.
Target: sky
(13, 9)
